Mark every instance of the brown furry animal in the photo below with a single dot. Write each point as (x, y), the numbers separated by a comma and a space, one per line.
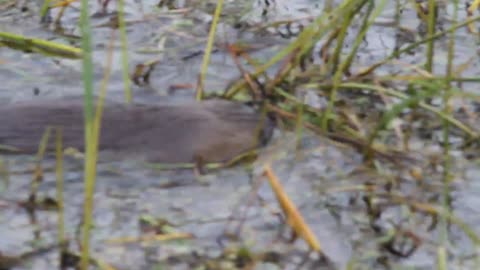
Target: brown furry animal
(213, 130)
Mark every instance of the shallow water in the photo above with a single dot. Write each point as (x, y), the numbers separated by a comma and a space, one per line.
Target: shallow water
(321, 179)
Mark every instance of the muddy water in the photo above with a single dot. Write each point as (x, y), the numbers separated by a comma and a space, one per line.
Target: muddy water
(321, 180)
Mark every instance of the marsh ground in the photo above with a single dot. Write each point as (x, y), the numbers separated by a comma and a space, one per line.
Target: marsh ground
(365, 216)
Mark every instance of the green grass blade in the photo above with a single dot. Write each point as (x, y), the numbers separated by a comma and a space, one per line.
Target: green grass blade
(90, 149)
(208, 50)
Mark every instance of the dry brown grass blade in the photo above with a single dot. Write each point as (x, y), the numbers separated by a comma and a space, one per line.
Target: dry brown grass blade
(293, 216)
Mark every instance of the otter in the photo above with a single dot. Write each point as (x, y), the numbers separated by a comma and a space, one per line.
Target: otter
(213, 130)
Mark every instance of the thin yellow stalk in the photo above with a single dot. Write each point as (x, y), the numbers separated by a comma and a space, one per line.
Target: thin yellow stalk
(38, 159)
(59, 175)
(45, 7)
(431, 32)
(90, 149)
(37, 45)
(208, 50)
(123, 39)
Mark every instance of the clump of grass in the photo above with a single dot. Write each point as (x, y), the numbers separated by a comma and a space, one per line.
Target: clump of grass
(400, 96)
